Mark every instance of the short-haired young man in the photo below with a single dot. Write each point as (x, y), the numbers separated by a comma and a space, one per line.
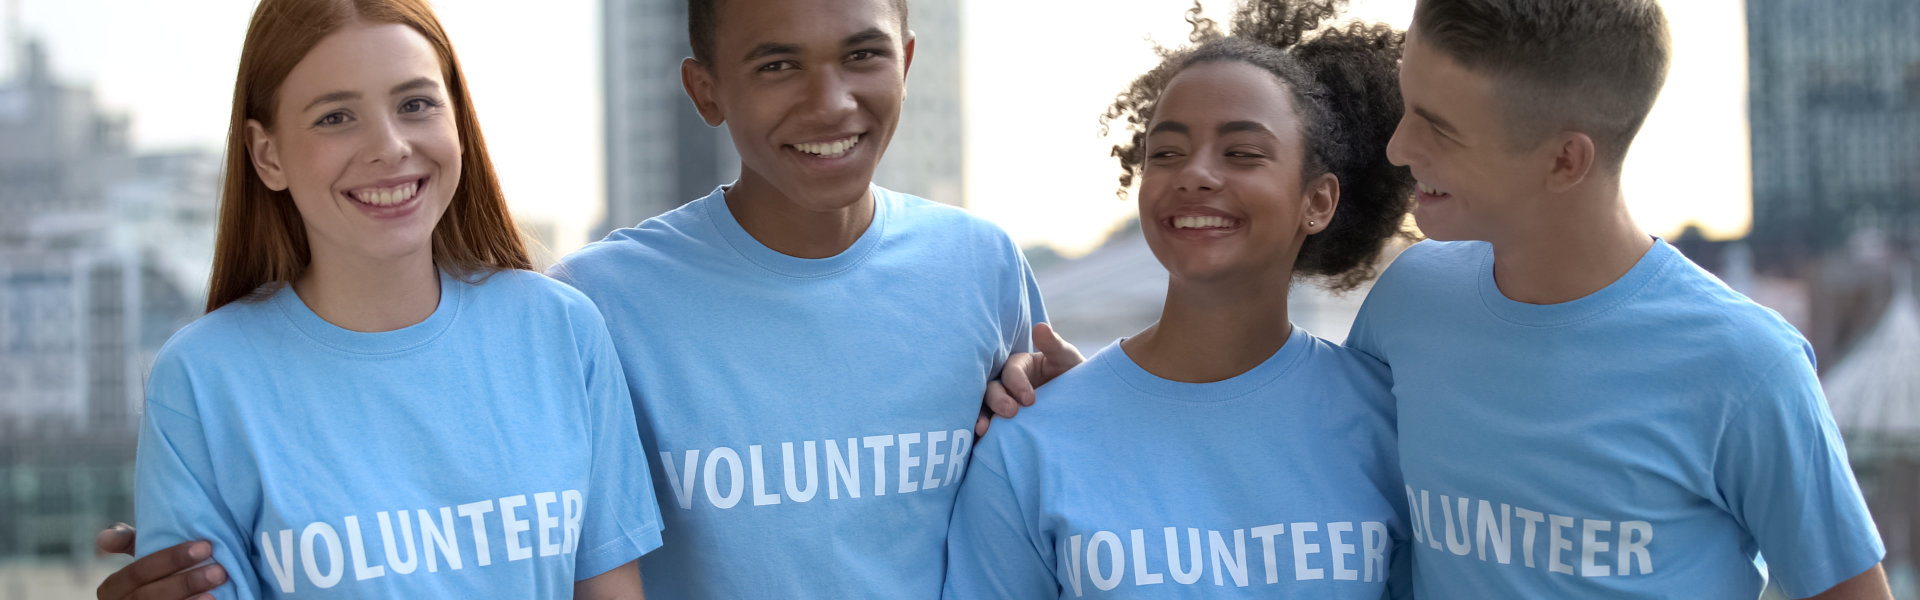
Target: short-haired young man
(1584, 413)
(806, 351)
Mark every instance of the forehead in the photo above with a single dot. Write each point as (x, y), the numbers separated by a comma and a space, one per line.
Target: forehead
(740, 25)
(1223, 91)
(366, 58)
(1433, 83)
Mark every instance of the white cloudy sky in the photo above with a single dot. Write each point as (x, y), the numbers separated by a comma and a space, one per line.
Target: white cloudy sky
(1035, 162)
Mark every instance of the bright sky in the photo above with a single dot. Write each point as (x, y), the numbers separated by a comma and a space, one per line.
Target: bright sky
(1036, 164)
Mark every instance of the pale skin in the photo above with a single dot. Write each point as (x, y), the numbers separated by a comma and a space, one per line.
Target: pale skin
(365, 114)
(1553, 212)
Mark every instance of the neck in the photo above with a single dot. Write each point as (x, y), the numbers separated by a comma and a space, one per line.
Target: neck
(778, 222)
(367, 295)
(1212, 331)
(1573, 253)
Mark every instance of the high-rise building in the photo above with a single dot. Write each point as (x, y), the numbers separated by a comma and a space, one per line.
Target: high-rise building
(103, 255)
(1835, 108)
(660, 154)
(925, 157)
(83, 305)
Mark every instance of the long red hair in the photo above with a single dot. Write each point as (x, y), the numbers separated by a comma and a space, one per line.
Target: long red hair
(261, 238)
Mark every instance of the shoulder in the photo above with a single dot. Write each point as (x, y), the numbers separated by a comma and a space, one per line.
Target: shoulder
(1358, 372)
(625, 251)
(227, 338)
(1433, 262)
(1697, 310)
(525, 296)
(521, 288)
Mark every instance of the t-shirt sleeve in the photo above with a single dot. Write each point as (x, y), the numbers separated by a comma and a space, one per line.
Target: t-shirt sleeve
(991, 550)
(1027, 308)
(176, 496)
(1783, 472)
(621, 519)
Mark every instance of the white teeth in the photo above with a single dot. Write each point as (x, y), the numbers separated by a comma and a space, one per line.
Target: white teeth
(1201, 222)
(1427, 189)
(387, 196)
(833, 149)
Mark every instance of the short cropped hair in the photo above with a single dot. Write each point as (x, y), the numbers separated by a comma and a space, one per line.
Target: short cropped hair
(1593, 66)
(703, 19)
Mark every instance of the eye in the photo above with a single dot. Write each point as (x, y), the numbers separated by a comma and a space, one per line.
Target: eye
(414, 105)
(859, 55)
(331, 119)
(1244, 154)
(783, 65)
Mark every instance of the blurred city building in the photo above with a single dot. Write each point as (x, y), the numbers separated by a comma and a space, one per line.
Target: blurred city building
(1835, 111)
(102, 258)
(660, 154)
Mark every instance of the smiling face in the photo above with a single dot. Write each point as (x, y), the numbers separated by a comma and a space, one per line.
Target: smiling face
(364, 140)
(810, 91)
(1221, 194)
(1474, 183)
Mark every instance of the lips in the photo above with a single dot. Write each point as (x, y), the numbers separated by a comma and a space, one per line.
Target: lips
(1202, 222)
(1428, 193)
(834, 148)
(387, 194)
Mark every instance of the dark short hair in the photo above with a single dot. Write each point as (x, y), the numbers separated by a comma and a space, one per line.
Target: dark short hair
(1593, 66)
(703, 19)
(1344, 82)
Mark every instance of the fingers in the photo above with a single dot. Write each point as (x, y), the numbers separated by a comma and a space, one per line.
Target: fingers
(1056, 355)
(170, 562)
(117, 539)
(1016, 378)
(1000, 402)
(980, 424)
(183, 585)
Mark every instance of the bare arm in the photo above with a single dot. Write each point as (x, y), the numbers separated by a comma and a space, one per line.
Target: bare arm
(1025, 372)
(622, 583)
(1871, 585)
(165, 575)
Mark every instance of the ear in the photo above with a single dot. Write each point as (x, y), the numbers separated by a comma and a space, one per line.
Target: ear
(266, 156)
(698, 79)
(1572, 160)
(1322, 197)
(906, 51)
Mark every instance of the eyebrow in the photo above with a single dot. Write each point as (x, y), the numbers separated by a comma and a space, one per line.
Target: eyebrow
(872, 34)
(770, 49)
(1436, 120)
(1169, 127)
(1243, 126)
(414, 84)
(342, 96)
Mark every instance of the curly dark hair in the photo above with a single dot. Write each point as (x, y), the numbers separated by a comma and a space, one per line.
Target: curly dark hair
(1346, 89)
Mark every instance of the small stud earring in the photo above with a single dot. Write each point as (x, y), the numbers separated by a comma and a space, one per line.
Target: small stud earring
(1311, 223)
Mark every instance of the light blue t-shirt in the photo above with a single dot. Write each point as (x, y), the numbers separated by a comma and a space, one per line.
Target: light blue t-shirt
(1280, 482)
(811, 418)
(486, 452)
(1645, 441)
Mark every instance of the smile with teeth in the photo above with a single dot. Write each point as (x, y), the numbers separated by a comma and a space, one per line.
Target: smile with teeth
(1429, 190)
(832, 149)
(387, 196)
(1202, 222)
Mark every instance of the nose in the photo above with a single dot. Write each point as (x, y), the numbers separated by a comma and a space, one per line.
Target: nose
(1197, 174)
(387, 143)
(829, 99)
(1398, 151)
